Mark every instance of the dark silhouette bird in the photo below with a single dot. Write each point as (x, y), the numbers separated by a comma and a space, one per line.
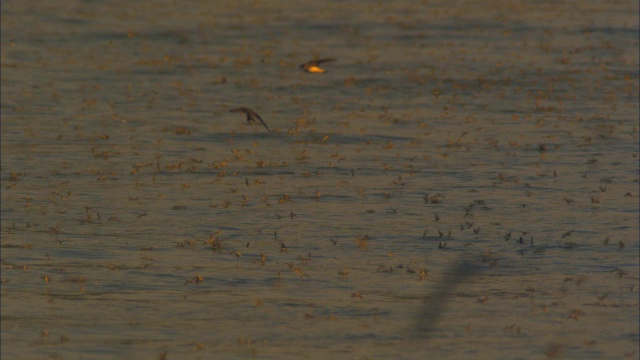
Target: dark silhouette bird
(312, 66)
(252, 116)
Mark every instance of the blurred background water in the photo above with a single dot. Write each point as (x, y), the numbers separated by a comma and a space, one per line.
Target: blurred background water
(461, 182)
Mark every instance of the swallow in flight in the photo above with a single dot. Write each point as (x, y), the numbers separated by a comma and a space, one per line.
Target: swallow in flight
(252, 116)
(312, 66)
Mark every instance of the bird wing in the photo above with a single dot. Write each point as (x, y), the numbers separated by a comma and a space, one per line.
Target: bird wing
(255, 114)
(243, 110)
(320, 61)
(251, 116)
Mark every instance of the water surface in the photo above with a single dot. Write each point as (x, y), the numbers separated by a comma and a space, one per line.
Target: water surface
(462, 182)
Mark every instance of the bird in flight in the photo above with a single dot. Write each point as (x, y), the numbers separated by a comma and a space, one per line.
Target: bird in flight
(312, 66)
(252, 116)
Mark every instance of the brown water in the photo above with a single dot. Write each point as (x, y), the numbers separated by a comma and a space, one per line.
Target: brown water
(461, 183)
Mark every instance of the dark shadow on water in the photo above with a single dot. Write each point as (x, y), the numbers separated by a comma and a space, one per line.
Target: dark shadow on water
(436, 301)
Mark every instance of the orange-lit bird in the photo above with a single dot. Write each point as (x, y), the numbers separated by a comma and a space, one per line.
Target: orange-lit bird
(312, 66)
(252, 116)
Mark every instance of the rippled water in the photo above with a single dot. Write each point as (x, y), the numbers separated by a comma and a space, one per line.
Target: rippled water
(461, 182)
